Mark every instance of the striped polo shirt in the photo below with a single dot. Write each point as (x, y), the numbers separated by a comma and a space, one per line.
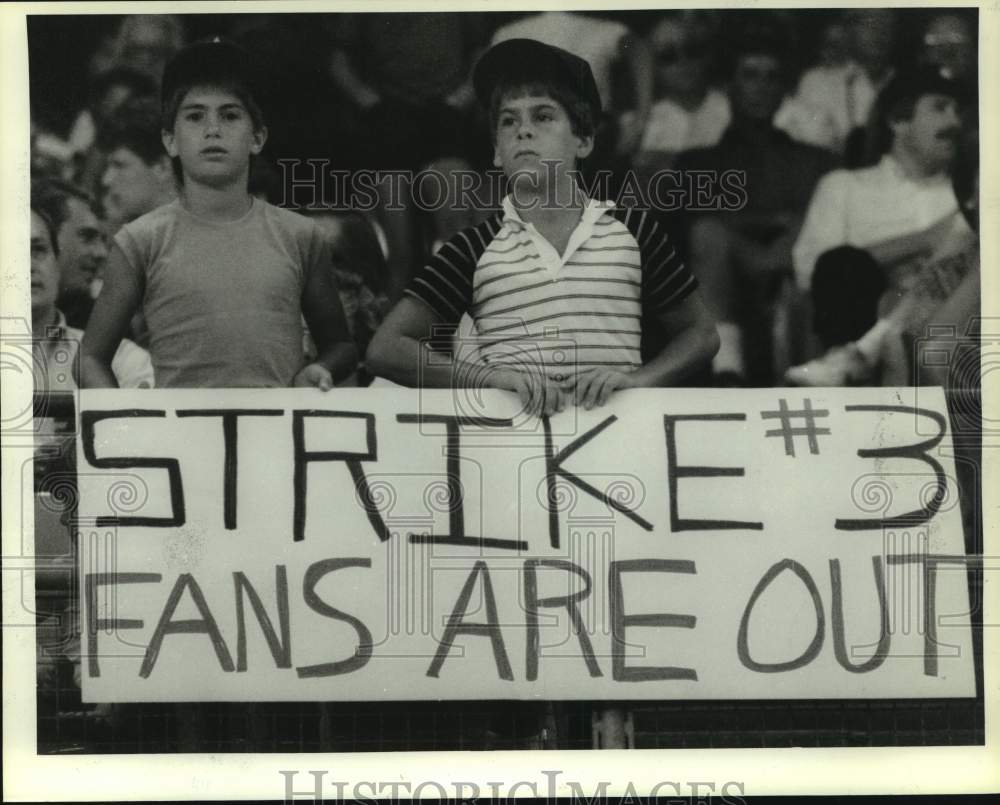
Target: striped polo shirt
(534, 308)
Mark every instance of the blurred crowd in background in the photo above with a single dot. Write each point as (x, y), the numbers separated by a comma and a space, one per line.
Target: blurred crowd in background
(793, 98)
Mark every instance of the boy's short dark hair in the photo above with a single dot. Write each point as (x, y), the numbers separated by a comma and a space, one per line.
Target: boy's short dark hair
(520, 66)
(136, 126)
(215, 63)
(579, 112)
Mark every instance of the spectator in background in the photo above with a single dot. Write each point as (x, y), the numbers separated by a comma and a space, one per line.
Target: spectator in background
(407, 76)
(741, 256)
(687, 112)
(109, 92)
(309, 116)
(126, 63)
(50, 155)
(834, 48)
(55, 343)
(945, 294)
(359, 265)
(55, 348)
(138, 176)
(896, 211)
(834, 100)
(82, 246)
(143, 42)
(948, 40)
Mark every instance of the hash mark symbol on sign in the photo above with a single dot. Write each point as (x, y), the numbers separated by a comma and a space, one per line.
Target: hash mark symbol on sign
(809, 430)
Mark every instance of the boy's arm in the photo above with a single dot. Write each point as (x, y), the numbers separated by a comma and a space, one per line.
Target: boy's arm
(692, 342)
(438, 295)
(336, 357)
(120, 297)
(399, 352)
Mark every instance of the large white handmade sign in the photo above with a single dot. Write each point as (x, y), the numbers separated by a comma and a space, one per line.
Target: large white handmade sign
(363, 544)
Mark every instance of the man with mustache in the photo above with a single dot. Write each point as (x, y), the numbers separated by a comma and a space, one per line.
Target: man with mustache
(868, 231)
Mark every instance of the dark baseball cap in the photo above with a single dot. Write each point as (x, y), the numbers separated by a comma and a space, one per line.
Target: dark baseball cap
(529, 59)
(910, 83)
(215, 61)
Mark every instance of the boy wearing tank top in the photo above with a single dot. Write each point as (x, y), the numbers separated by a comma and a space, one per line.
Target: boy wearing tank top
(223, 279)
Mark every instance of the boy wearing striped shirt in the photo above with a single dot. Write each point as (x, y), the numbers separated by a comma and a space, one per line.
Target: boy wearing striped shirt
(554, 269)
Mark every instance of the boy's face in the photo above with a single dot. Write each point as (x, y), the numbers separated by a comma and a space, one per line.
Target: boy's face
(44, 271)
(214, 137)
(131, 186)
(82, 248)
(533, 130)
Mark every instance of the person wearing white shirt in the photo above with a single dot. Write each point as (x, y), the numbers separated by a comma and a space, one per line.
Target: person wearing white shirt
(832, 100)
(896, 210)
(688, 112)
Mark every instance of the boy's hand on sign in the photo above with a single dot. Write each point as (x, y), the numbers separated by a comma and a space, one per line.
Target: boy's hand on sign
(594, 386)
(314, 375)
(539, 394)
(547, 396)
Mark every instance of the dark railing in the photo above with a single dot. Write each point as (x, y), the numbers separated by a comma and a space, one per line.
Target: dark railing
(55, 404)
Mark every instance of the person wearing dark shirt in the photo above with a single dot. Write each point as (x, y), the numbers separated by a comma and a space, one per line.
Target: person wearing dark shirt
(407, 77)
(741, 255)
